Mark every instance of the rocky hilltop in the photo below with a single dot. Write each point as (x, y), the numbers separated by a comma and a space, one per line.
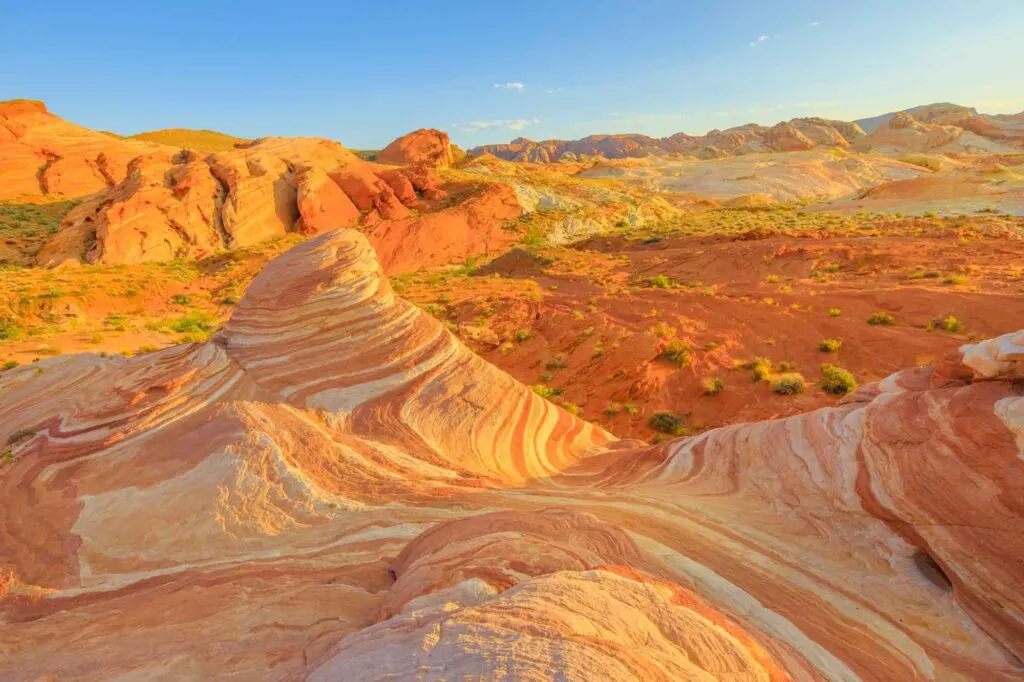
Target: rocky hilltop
(334, 487)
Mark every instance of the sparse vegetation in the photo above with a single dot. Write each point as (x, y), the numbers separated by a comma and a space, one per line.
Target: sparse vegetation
(790, 383)
(834, 312)
(677, 353)
(881, 318)
(712, 385)
(521, 335)
(830, 346)
(546, 391)
(836, 380)
(668, 422)
(949, 323)
(761, 367)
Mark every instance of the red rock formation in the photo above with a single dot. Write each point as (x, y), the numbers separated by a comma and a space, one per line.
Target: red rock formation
(335, 488)
(43, 154)
(426, 147)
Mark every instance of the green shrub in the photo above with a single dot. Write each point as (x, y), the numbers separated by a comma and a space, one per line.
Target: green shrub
(521, 335)
(668, 422)
(9, 329)
(713, 386)
(660, 282)
(836, 380)
(830, 346)
(631, 409)
(956, 280)
(573, 409)
(546, 391)
(612, 410)
(881, 318)
(678, 353)
(10, 364)
(949, 324)
(834, 312)
(789, 384)
(197, 325)
(557, 362)
(761, 367)
(181, 299)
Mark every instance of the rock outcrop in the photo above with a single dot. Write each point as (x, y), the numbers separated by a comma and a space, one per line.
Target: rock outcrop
(186, 205)
(42, 154)
(427, 147)
(334, 487)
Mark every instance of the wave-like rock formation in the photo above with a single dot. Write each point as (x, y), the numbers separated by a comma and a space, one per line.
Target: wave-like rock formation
(334, 487)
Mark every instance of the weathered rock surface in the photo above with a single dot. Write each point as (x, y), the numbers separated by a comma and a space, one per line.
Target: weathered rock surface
(42, 154)
(185, 205)
(335, 488)
(427, 147)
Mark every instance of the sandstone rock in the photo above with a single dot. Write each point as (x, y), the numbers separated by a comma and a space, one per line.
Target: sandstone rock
(369, 192)
(41, 153)
(426, 147)
(322, 204)
(334, 487)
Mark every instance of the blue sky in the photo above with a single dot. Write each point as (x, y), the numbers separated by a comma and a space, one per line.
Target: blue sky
(366, 72)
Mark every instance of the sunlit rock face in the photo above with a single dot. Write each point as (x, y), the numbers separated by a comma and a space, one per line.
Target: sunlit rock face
(335, 488)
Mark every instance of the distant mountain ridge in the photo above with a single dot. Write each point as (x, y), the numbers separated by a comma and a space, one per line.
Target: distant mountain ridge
(942, 127)
(924, 113)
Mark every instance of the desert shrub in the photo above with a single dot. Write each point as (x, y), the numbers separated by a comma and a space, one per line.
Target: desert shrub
(116, 322)
(10, 364)
(712, 386)
(678, 353)
(836, 380)
(950, 324)
(521, 335)
(660, 282)
(181, 299)
(834, 312)
(557, 362)
(956, 280)
(830, 346)
(573, 409)
(771, 279)
(761, 367)
(230, 300)
(930, 162)
(710, 345)
(546, 391)
(9, 329)
(631, 409)
(785, 366)
(197, 323)
(881, 318)
(789, 384)
(662, 330)
(612, 410)
(668, 422)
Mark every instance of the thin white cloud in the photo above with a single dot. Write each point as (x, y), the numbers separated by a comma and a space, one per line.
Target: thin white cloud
(760, 39)
(498, 124)
(514, 85)
(552, 91)
(814, 24)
